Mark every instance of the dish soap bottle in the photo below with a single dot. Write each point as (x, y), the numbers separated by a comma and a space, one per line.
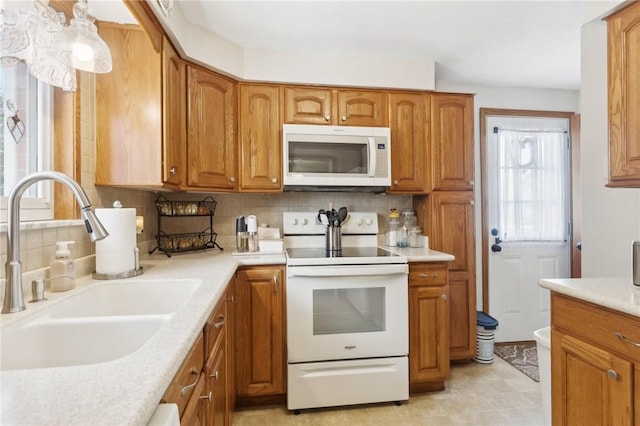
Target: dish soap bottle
(63, 270)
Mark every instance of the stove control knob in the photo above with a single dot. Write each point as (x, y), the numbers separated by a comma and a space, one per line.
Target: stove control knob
(305, 221)
(294, 221)
(359, 222)
(368, 221)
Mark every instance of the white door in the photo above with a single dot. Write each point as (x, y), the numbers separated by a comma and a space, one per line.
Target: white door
(528, 218)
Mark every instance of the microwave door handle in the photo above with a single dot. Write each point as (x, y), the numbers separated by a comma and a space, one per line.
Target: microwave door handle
(372, 157)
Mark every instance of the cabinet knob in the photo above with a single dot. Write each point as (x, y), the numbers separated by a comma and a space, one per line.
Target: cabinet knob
(232, 179)
(207, 397)
(471, 182)
(327, 118)
(443, 297)
(612, 374)
(214, 375)
(274, 180)
(344, 118)
(396, 183)
(173, 170)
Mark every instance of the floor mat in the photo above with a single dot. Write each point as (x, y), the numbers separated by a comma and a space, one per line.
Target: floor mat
(522, 356)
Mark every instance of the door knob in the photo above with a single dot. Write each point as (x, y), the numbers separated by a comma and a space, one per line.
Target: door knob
(495, 247)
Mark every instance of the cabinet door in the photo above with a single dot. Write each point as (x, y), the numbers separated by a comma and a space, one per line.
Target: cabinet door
(452, 231)
(231, 349)
(128, 117)
(260, 333)
(174, 107)
(589, 385)
(260, 140)
(409, 132)
(452, 142)
(429, 334)
(362, 108)
(307, 105)
(211, 144)
(216, 375)
(624, 96)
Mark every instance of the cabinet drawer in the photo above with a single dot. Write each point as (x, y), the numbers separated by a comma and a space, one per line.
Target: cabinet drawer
(427, 273)
(216, 324)
(604, 327)
(183, 384)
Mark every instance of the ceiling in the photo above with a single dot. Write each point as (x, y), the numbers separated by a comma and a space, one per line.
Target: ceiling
(497, 43)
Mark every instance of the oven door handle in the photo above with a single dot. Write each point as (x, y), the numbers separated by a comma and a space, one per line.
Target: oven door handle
(347, 270)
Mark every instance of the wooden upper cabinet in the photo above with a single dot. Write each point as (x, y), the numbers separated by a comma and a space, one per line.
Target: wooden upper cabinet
(452, 142)
(128, 111)
(623, 49)
(260, 139)
(211, 140)
(174, 106)
(362, 108)
(409, 123)
(307, 106)
(334, 107)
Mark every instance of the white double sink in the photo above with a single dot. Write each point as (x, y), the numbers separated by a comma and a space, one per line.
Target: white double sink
(102, 323)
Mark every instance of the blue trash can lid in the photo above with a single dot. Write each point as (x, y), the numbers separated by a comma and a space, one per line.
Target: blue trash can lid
(486, 321)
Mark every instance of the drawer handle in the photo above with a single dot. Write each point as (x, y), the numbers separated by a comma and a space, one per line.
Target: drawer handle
(612, 374)
(433, 275)
(624, 339)
(192, 385)
(207, 397)
(219, 324)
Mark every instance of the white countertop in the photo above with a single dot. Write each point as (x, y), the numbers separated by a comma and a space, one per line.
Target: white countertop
(615, 293)
(128, 390)
(125, 390)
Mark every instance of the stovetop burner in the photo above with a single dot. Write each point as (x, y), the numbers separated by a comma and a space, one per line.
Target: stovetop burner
(310, 256)
(309, 252)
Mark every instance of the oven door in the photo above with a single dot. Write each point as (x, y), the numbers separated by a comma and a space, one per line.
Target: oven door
(346, 311)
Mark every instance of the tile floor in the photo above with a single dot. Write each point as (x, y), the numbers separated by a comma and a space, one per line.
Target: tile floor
(476, 394)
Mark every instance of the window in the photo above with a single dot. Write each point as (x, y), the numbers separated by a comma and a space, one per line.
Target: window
(26, 140)
(532, 182)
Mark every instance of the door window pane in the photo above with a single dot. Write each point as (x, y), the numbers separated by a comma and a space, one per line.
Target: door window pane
(532, 200)
(348, 310)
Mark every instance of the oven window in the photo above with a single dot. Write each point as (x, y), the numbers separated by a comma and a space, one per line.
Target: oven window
(348, 310)
(323, 158)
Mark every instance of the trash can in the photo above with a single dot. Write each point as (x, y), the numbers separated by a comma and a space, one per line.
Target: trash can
(485, 338)
(543, 346)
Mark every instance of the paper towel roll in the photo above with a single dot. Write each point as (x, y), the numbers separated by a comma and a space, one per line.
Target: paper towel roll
(116, 253)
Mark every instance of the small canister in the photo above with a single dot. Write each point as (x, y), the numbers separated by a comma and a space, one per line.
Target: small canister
(415, 237)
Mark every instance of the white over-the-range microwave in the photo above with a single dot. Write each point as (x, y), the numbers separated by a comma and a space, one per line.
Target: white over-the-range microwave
(336, 158)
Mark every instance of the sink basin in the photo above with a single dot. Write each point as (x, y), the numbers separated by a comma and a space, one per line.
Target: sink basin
(102, 323)
(142, 297)
(63, 343)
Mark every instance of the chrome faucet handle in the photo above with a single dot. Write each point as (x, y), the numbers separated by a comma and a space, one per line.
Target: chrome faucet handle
(37, 291)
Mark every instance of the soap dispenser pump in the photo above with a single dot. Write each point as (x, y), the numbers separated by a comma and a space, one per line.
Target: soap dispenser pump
(63, 272)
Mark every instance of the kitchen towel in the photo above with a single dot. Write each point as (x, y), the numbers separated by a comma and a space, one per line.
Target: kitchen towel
(116, 253)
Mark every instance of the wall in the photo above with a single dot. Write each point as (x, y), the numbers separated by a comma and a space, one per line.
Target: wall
(610, 217)
(216, 52)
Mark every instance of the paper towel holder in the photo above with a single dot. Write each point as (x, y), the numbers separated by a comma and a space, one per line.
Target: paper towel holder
(138, 270)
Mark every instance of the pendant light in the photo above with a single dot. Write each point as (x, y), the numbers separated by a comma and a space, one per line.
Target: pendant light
(82, 47)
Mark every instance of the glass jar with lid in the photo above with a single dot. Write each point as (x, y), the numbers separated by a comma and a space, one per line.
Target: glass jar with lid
(415, 237)
(393, 224)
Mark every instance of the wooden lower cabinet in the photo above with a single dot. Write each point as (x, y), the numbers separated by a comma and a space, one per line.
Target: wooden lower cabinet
(594, 372)
(202, 388)
(450, 219)
(428, 326)
(260, 335)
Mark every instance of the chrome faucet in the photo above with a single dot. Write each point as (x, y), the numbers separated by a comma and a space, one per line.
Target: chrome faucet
(13, 297)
